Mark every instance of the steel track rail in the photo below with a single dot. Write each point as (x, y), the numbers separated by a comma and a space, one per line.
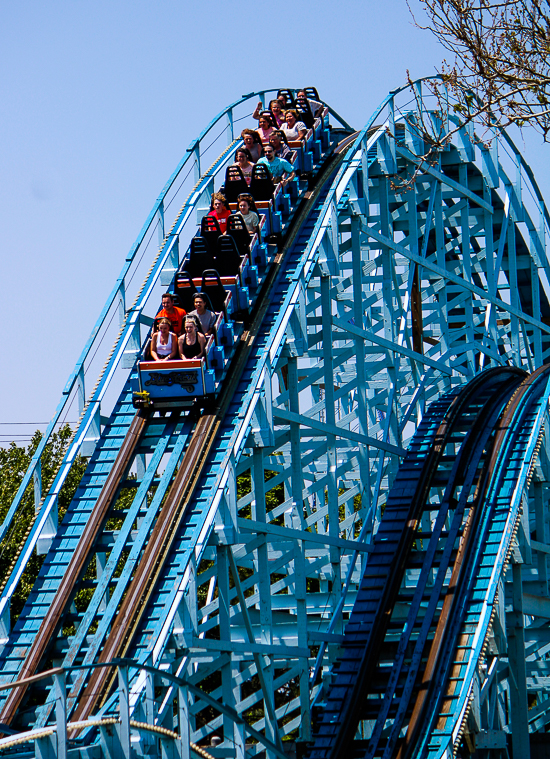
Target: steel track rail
(515, 449)
(179, 498)
(386, 566)
(463, 480)
(77, 564)
(455, 596)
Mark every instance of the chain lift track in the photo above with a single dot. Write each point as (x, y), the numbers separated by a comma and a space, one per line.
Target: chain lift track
(347, 548)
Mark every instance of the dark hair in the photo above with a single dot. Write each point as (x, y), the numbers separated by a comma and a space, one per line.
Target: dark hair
(249, 199)
(255, 136)
(205, 298)
(246, 151)
(218, 196)
(168, 295)
(281, 134)
(268, 116)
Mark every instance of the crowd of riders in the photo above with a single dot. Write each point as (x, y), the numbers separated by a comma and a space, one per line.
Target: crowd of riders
(267, 152)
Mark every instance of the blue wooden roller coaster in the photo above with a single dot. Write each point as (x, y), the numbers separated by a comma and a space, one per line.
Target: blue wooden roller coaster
(328, 536)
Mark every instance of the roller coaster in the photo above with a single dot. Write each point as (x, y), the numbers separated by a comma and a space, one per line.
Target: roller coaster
(338, 548)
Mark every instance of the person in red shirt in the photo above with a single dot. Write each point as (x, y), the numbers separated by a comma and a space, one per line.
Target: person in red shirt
(219, 210)
(173, 313)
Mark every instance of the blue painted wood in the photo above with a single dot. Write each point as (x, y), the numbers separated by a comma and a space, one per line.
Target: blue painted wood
(70, 530)
(154, 621)
(501, 506)
(105, 456)
(373, 605)
(442, 231)
(134, 316)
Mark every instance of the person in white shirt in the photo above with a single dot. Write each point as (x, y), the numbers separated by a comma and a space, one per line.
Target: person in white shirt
(247, 209)
(314, 105)
(164, 343)
(293, 129)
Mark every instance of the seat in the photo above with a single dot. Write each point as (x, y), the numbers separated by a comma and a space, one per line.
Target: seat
(177, 303)
(185, 288)
(207, 302)
(289, 97)
(210, 231)
(305, 114)
(270, 117)
(228, 259)
(236, 228)
(200, 258)
(146, 353)
(235, 183)
(261, 185)
(211, 285)
(312, 94)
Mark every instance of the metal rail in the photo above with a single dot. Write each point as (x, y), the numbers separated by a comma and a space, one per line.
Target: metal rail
(366, 685)
(442, 711)
(77, 564)
(90, 402)
(173, 513)
(62, 727)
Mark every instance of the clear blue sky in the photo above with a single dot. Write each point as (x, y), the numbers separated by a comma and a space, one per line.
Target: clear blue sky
(100, 100)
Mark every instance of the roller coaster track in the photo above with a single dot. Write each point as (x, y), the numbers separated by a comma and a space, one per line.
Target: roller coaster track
(174, 509)
(156, 572)
(409, 675)
(384, 661)
(354, 535)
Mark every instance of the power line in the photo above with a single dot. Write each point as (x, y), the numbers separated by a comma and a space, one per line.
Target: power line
(15, 435)
(13, 424)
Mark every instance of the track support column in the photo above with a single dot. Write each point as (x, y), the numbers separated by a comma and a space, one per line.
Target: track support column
(183, 723)
(124, 706)
(516, 663)
(61, 715)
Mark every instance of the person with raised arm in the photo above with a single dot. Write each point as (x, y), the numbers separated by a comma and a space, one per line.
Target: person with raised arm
(277, 112)
(275, 108)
